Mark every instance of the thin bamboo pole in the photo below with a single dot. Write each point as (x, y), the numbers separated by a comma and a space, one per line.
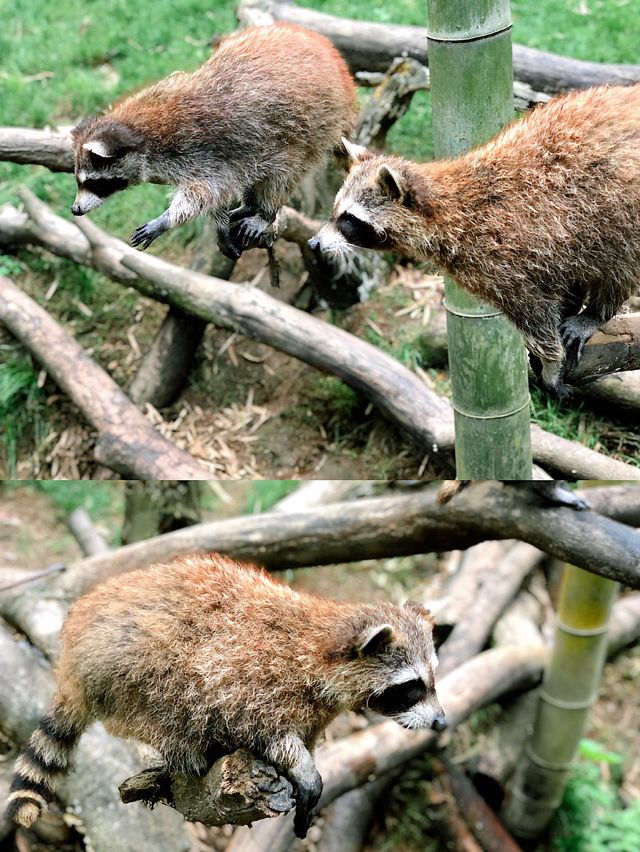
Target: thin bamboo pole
(471, 91)
(569, 688)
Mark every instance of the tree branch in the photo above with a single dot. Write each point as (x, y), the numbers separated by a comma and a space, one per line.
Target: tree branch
(237, 790)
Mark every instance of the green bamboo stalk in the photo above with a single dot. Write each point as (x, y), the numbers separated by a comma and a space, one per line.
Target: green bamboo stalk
(472, 98)
(569, 688)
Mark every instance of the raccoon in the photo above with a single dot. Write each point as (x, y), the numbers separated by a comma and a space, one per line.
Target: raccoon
(543, 221)
(202, 656)
(244, 128)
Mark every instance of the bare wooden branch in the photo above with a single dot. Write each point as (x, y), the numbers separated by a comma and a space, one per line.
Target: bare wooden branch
(320, 492)
(130, 444)
(237, 790)
(614, 347)
(28, 686)
(83, 530)
(470, 634)
(50, 148)
(481, 820)
(426, 417)
(621, 390)
(390, 100)
(566, 459)
(373, 47)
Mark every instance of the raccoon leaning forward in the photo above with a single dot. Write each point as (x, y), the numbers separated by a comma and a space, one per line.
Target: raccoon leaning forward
(543, 221)
(244, 128)
(203, 656)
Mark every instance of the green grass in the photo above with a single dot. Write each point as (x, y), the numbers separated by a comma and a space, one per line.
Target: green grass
(592, 818)
(22, 406)
(263, 494)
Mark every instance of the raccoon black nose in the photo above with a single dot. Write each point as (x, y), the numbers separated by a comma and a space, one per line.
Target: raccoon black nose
(313, 243)
(75, 209)
(439, 723)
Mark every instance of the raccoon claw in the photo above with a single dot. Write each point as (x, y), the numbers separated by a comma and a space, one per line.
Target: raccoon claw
(575, 331)
(252, 231)
(307, 797)
(144, 235)
(226, 245)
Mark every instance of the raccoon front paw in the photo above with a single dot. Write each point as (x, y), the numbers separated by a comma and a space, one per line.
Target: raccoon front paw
(250, 232)
(307, 795)
(145, 235)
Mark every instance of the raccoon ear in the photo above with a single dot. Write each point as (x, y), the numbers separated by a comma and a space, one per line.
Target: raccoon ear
(372, 640)
(391, 183)
(355, 152)
(99, 149)
(114, 140)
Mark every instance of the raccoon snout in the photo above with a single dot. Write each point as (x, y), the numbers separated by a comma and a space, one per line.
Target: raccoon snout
(77, 210)
(439, 723)
(314, 243)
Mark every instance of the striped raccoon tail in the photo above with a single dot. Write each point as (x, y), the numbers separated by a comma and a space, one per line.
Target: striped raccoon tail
(43, 761)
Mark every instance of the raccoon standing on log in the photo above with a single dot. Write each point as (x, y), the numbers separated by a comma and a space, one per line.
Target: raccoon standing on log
(202, 656)
(244, 128)
(543, 221)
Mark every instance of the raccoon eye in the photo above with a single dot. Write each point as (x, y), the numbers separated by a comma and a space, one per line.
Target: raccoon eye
(400, 697)
(357, 232)
(102, 187)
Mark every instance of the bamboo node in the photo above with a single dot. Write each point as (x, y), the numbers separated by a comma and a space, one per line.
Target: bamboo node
(568, 705)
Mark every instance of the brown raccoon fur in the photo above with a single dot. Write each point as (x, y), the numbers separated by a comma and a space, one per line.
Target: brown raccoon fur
(203, 655)
(543, 221)
(244, 128)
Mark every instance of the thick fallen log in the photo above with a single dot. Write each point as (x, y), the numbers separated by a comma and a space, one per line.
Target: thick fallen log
(373, 47)
(346, 820)
(130, 444)
(621, 390)
(27, 688)
(343, 532)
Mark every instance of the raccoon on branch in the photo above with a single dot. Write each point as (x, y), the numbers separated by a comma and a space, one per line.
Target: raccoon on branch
(203, 656)
(243, 129)
(543, 221)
